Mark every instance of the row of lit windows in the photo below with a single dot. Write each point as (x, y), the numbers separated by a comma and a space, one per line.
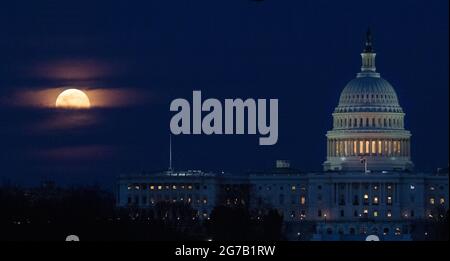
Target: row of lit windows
(344, 148)
(375, 200)
(293, 188)
(368, 122)
(363, 231)
(432, 201)
(164, 187)
(146, 201)
(302, 200)
(366, 186)
(365, 213)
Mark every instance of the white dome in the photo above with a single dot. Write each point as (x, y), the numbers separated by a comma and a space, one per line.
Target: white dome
(368, 94)
(368, 124)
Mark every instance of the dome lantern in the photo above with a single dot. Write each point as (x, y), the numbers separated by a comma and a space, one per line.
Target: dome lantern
(368, 58)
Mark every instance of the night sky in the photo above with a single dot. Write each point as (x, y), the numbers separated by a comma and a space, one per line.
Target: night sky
(134, 59)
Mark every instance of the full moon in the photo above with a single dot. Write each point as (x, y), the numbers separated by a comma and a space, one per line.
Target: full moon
(73, 99)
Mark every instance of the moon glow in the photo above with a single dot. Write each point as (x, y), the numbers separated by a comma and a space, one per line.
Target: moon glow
(73, 99)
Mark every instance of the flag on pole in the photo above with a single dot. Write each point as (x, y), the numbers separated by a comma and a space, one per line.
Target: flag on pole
(362, 160)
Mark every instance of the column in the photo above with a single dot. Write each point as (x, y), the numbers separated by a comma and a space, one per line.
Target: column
(356, 146)
(400, 152)
(348, 150)
(408, 146)
(328, 148)
(382, 148)
(352, 147)
(336, 148)
(336, 142)
(331, 147)
(402, 148)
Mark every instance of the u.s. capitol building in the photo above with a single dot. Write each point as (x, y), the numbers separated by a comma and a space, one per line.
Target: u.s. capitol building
(368, 186)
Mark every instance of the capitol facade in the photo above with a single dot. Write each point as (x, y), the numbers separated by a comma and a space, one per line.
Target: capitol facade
(367, 187)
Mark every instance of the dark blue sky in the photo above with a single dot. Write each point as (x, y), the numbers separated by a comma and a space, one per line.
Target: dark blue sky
(301, 52)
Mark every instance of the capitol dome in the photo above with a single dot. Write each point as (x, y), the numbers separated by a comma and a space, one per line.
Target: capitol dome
(368, 93)
(368, 124)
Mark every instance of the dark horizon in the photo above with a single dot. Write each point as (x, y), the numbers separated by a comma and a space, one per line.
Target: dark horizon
(134, 59)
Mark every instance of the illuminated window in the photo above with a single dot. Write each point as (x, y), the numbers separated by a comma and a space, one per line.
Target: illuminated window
(412, 187)
(205, 200)
(302, 200)
(189, 187)
(431, 188)
(293, 188)
(379, 147)
(374, 147)
(375, 213)
(159, 187)
(361, 147)
(375, 200)
(395, 147)
(355, 151)
(152, 187)
(174, 187)
(389, 200)
(389, 213)
(367, 147)
(366, 211)
(442, 201)
(432, 201)
(366, 196)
